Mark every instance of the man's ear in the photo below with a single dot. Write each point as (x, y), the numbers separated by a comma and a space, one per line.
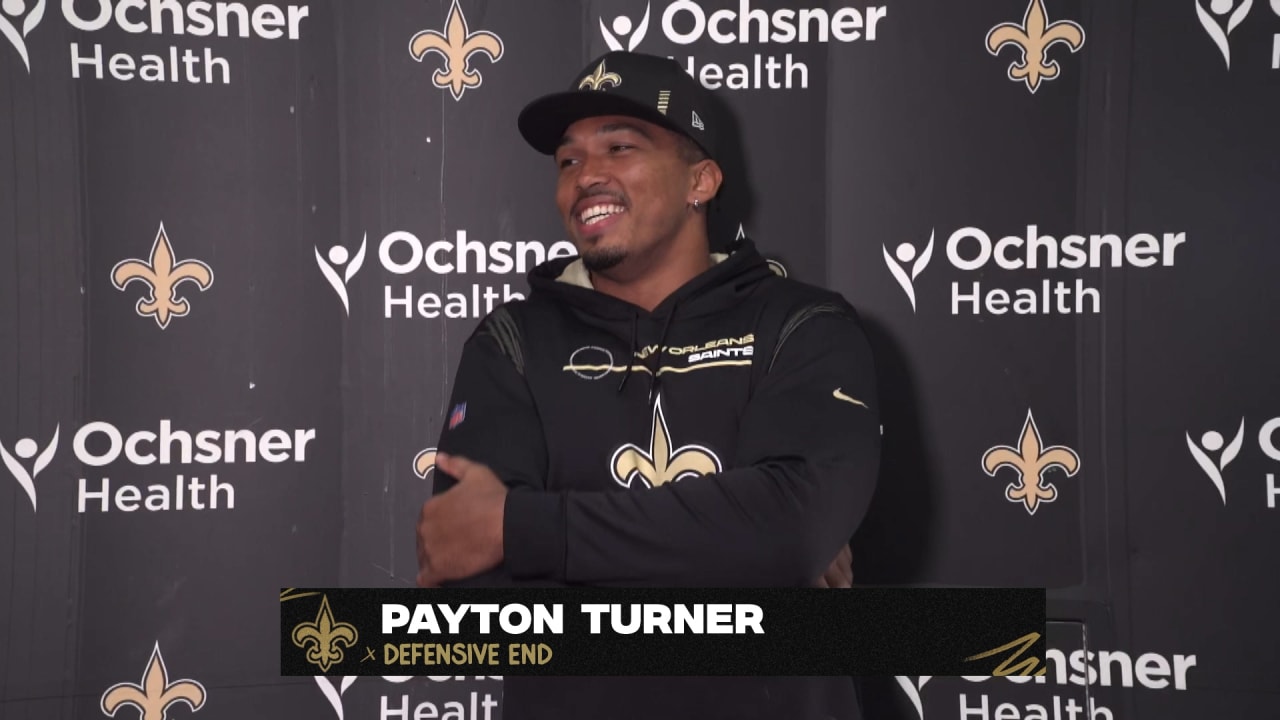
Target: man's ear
(707, 178)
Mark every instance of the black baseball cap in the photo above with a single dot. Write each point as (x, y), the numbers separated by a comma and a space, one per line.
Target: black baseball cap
(648, 87)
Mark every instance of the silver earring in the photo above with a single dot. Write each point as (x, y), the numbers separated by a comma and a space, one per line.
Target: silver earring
(696, 203)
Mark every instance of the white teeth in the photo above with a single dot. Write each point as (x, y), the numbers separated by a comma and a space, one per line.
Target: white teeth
(596, 213)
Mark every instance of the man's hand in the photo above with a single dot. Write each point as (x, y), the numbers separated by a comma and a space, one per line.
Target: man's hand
(840, 573)
(460, 530)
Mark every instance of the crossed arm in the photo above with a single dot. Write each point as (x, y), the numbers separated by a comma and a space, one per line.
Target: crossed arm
(780, 515)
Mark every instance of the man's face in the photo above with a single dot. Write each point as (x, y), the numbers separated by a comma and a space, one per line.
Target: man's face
(623, 188)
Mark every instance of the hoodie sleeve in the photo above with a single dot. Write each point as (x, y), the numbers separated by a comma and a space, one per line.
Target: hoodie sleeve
(491, 401)
(802, 478)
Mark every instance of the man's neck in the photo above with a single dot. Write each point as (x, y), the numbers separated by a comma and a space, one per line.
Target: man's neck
(655, 284)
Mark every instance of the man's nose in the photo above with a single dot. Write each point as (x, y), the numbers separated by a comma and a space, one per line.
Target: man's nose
(593, 171)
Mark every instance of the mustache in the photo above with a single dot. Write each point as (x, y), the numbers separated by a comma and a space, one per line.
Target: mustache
(594, 192)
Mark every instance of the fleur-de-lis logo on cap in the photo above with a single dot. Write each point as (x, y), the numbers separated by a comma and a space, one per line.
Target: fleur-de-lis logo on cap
(1031, 459)
(456, 45)
(1034, 37)
(660, 464)
(600, 79)
(323, 638)
(153, 697)
(163, 276)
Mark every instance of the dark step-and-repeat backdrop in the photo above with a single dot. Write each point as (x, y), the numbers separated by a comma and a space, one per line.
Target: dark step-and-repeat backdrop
(242, 243)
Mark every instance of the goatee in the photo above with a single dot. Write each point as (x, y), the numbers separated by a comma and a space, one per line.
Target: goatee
(602, 259)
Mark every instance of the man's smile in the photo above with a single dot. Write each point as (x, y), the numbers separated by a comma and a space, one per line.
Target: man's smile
(593, 215)
(597, 213)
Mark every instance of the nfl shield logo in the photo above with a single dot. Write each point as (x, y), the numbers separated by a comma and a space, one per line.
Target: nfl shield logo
(456, 417)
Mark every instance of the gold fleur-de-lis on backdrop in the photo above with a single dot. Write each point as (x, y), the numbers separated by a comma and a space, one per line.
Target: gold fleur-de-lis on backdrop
(424, 462)
(659, 464)
(599, 79)
(456, 45)
(163, 276)
(1034, 37)
(323, 638)
(153, 697)
(1031, 459)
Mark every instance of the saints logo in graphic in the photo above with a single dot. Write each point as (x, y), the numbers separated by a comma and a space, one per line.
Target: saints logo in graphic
(324, 637)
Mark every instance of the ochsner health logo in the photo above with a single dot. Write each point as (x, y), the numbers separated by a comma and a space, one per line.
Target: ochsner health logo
(685, 22)
(11, 15)
(1063, 672)
(26, 449)
(338, 257)
(1213, 443)
(180, 20)
(1220, 18)
(906, 257)
(622, 29)
(399, 705)
(200, 455)
(405, 254)
(1209, 19)
(1024, 256)
(913, 686)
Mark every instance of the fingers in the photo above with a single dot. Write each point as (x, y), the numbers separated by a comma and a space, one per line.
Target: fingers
(839, 573)
(454, 465)
(428, 576)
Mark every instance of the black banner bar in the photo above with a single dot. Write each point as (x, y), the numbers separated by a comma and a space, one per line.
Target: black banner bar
(595, 631)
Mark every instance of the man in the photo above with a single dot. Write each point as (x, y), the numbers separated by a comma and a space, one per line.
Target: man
(653, 414)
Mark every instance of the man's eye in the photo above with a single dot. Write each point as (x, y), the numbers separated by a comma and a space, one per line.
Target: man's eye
(616, 148)
(566, 162)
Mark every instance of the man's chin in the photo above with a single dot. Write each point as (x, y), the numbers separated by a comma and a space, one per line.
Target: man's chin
(599, 259)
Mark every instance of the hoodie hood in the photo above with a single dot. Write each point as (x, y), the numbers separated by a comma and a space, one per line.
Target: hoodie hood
(735, 275)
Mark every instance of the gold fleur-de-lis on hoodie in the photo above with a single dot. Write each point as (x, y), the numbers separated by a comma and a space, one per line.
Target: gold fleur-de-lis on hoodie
(456, 45)
(154, 696)
(1031, 459)
(163, 276)
(323, 638)
(599, 79)
(659, 464)
(1035, 36)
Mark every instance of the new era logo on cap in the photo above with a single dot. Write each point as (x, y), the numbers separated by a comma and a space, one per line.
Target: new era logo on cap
(649, 87)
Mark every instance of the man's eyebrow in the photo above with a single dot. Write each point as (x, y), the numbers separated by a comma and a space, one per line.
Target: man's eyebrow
(614, 127)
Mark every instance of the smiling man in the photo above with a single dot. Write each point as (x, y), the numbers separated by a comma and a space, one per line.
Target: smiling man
(654, 414)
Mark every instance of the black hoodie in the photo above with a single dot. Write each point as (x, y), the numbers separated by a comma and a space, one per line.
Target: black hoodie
(728, 438)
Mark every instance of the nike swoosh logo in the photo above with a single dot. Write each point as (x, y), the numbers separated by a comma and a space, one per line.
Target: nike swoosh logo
(841, 396)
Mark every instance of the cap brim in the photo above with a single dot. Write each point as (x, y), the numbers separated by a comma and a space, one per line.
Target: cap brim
(544, 121)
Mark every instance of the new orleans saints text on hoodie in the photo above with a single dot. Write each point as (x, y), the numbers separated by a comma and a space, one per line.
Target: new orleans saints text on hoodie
(728, 438)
